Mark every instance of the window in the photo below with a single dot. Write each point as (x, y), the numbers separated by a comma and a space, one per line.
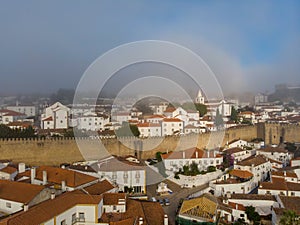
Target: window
(8, 205)
(242, 215)
(81, 216)
(63, 222)
(73, 217)
(114, 207)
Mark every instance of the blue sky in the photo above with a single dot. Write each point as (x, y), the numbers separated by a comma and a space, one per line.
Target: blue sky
(45, 45)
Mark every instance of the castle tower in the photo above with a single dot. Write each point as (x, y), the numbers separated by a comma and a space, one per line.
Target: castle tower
(199, 99)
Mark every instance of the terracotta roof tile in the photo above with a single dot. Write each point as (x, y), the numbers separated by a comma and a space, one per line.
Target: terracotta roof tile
(276, 184)
(99, 188)
(47, 210)
(9, 170)
(284, 174)
(113, 198)
(273, 149)
(56, 175)
(171, 120)
(19, 192)
(241, 173)
(151, 212)
(253, 160)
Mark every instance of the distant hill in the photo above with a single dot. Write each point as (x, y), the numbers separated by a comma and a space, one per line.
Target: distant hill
(285, 92)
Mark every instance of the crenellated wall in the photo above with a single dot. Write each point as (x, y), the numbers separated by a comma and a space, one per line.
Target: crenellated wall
(68, 150)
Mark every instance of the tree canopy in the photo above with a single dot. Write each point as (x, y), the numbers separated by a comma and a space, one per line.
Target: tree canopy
(7, 132)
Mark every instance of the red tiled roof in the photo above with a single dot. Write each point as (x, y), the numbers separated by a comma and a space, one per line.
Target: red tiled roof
(48, 119)
(171, 120)
(47, 210)
(57, 175)
(9, 170)
(148, 125)
(276, 184)
(287, 174)
(273, 149)
(113, 198)
(233, 150)
(237, 206)
(19, 192)
(241, 173)
(170, 109)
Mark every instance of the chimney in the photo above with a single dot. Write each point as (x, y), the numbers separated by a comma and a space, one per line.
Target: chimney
(52, 195)
(284, 173)
(196, 154)
(63, 185)
(25, 207)
(32, 174)
(214, 154)
(141, 221)
(166, 220)
(183, 154)
(21, 167)
(236, 206)
(44, 177)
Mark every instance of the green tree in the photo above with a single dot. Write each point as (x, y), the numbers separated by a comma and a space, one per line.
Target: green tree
(234, 114)
(201, 108)
(252, 215)
(211, 169)
(289, 217)
(158, 156)
(128, 130)
(194, 169)
(219, 119)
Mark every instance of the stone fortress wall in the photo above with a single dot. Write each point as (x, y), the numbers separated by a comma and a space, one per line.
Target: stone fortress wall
(65, 150)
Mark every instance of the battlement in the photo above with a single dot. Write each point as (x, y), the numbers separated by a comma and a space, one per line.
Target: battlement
(57, 150)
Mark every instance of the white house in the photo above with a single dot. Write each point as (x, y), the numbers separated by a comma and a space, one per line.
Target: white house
(263, 204)
(128, 175)
(55, 116)
(92, 121)
(8, 116)
(237, 153)
(121, 117)
(236, 181)
(238, 143)
(222, 106)
(155, 118)
(149, 129)
(8, 173)
(173, 161)
(279, 186)
(14, 195)
(28, 110)
(288, 176)
(58, 178)
(171, 126)
(275, 153)
(82, 208)
(258, 165)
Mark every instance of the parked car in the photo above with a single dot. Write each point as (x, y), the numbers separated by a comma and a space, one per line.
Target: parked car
(153, 199)
(167, 201)
(161, 202)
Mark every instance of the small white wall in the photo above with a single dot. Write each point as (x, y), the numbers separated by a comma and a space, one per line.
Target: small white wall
(15, 206)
